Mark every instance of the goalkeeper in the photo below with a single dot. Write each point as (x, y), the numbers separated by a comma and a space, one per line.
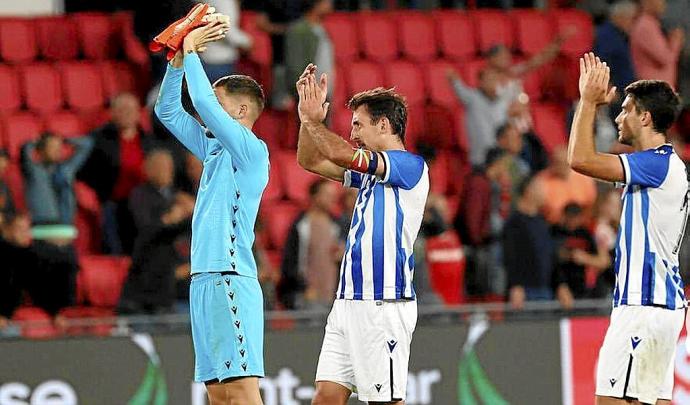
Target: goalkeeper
(226, 301)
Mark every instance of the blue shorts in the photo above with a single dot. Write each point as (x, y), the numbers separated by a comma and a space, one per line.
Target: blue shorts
(227, 317)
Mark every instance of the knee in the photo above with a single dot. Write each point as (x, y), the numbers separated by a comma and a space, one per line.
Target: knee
(322, 398)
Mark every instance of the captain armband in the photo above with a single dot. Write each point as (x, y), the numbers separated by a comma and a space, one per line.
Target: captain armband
(364, 161)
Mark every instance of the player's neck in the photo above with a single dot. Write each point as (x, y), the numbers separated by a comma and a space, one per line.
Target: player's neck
(651, 140)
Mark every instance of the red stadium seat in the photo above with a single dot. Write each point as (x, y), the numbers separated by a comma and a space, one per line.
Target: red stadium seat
(101, 328)
(17, 41)
(532, 30)
(583, 39)
(549, 125)
(57, 38)
(15, 181)
(97, 35)
(273, 189)
(118, 77)
(270, 127)
(248, 20)
(64, 123)
(341, 121)
(438, 174)
(341, 29)
(455, 34)
(437, 83)
(470, 71)
(82, 85)
(19, 129)
(377, 36)
(492, 28)
(41, 324)
(408, 80)
(262, 52)
(41, 87)
(417, 40)
(362, 76)
(101, 279)
(294, 177)
(11, 99)
(446, 261)
(279, 217)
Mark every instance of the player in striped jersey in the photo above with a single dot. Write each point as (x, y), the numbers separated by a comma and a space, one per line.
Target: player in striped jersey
(367, 342)
(636, 358)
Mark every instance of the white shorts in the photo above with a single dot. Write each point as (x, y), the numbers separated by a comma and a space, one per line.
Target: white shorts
(637, 357)
(366, 348)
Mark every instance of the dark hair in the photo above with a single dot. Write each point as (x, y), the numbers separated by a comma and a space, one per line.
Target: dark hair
(381, 103)
(524, 185)
(244, 85)
(494, 50)
(658, 98)
(308, 5)
(493, 155)
(572, 209)
(502, 129)
(43, 140)
(3, 153)
(315, 187)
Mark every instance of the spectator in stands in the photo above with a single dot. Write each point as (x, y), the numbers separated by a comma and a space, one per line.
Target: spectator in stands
(308, 42)
(605, 132)
(348, 201)
(486, 110)
(193, 168)
(115, 167)
(311, 254)
(655, 55)
(274, 18)
(433, 224)
(607, 212)
(220, 57)
(18, 261)
(577, 251)
(564, 186)
(484, 207)
(678, 15)
(528, 251)
(7, 208)
(49, 181)
(533, 152)
(161, 215)
(612, 42)
(512, 142)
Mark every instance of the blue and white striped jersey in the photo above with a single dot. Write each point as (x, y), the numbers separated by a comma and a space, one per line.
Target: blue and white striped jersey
(655, 208)
(378, 262)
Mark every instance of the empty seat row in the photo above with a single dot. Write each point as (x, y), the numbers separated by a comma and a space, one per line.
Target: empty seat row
(92, 35)
(45, 87)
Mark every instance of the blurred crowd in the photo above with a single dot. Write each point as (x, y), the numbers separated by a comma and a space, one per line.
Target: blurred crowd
(530, 227)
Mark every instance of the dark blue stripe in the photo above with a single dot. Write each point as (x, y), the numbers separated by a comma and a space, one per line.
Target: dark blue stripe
(649, 259)
(400, 255)
(628, 237)
(357, 249)
(378, 253)
(670, 293)
(343, 267)
(411, 267)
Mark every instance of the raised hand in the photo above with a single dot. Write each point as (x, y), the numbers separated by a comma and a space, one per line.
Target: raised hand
(594, 80)
(312, 95)
(197, 39)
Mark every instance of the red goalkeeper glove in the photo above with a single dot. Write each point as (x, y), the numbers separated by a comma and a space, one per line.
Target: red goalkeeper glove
(172, 37)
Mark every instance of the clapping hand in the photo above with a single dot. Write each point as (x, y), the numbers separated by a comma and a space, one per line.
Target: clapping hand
(594, 80)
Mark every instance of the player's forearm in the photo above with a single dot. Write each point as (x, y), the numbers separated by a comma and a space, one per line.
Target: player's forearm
(581, 147)
(331, 146)
(307, 153)
(169, 103)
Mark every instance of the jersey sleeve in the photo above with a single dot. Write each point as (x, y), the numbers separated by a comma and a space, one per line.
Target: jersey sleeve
(352, 179)
(647, 168)
(403, 169)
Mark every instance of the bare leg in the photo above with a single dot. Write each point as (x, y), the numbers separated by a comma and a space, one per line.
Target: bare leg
(330, 393)
(239, 391)
(618, 401)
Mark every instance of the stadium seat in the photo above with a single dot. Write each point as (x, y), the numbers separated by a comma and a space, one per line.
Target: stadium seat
(341, 29)
(101, 278)
(41, 87)
(362, 76)
(492, 28)
(97, 37)
(117, 77)
(43, 324)
(417, 40)
(341, 121)
(273, 190)
(470, 71)
(549, 125)
(294, 177)
(438, 174)
(532, 30)
(19, 129)
(377, 36)
(57, 38)
(279, 217)
(262, 52)
(438, 85)
(64, 123)
(270, 127)
(408, 80)
(17, 40)
(82, 85)
(15, 181)
(446, 261)
(583, 39)
(248, 20)
(455, 35)
(100, 326)
(11, 99)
